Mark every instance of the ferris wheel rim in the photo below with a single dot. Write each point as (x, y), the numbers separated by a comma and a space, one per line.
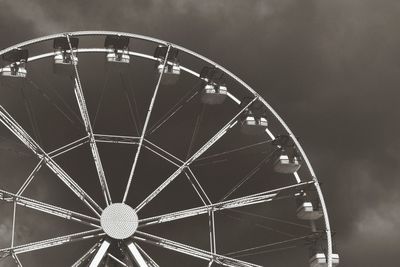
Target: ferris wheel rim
(205, 59)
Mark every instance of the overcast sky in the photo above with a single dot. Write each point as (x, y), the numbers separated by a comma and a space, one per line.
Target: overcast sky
(330, 68)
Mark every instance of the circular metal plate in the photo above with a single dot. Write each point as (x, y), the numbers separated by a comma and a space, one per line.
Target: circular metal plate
(119, 221)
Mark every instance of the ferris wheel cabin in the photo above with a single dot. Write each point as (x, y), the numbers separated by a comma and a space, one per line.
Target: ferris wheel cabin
(64, 59)
(118, 57)
(13, 74)
(171, 70)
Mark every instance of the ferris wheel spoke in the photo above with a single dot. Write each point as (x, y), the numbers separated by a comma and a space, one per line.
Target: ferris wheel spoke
(199, 152)
(146, 122)
(9, 122)
(80, 98)
(86, 256)
(49, 209)
(258, 198)
(49, 243)
(191, 251)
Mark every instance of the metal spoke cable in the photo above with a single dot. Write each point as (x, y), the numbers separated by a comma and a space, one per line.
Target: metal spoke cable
(249, 175)
(52, 102)
(134, 102)
(265, 251)
(272, 219)
(211, 163)
(262, 226)
(174, 109)
(233, 150)
(133, 116)
(103, 90)
(196, 130)
(31, 116)
(269, 245)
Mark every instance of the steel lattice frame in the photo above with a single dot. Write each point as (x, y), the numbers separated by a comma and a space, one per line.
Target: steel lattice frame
(183, 166)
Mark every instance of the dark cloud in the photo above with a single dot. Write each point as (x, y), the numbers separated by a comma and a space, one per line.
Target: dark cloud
(330, 68)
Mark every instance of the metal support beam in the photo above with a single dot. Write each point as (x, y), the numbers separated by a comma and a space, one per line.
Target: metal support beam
(191, 251)
(48, 243)
(13, 224)
(93, 146)
(146, 122)
(28, 141)
(101, 252)
(211, 226)
(116, 139)
(30, 178)
(49, 209)
(68, 147)
(136, 255)
(199, 152)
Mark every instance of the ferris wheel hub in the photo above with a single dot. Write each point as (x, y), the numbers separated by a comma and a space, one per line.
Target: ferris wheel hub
(119, 221)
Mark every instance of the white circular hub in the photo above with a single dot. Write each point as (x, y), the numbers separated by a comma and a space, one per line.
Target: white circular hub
(119, 221)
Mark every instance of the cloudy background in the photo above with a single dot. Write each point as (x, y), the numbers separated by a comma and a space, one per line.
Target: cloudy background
(330, 68)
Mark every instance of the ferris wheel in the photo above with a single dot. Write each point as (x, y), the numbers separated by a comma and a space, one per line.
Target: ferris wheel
(173, 161)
